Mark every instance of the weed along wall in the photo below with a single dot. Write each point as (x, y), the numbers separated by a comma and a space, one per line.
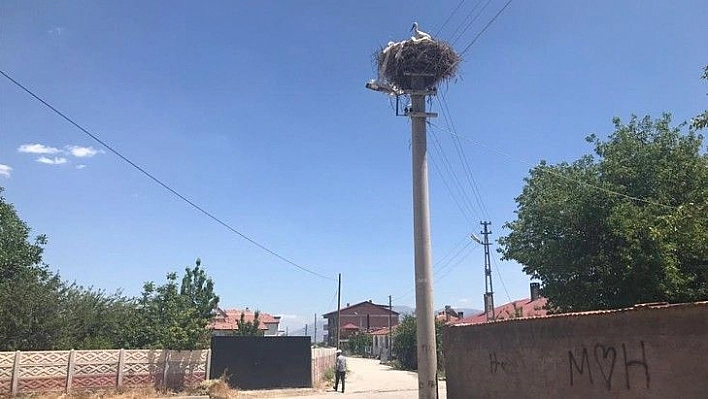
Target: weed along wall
(647, 352)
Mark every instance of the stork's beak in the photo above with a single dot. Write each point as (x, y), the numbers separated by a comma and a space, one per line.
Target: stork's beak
(412, 27)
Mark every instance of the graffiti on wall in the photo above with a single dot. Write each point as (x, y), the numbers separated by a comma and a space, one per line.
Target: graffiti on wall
(500, 364)
(600, 364)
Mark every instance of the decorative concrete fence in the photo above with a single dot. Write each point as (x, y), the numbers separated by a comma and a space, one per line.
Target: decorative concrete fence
(22, 372)
(322, 360)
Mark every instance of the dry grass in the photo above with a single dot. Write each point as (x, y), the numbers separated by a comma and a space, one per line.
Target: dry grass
(129, 393)
(397, 61)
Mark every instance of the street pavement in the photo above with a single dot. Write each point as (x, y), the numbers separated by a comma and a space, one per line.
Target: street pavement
(367, 378)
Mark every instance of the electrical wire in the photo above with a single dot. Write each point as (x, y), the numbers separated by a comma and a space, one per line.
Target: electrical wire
(438, 169)
(437, 32)
(162, 184)
(474, 40)
(463, 158)
(455, 36)
(580, 182)
(501, 280)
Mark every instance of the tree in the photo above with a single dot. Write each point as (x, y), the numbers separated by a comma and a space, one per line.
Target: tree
(626, 225)
(29, 292)
(360, 343)
(701, 121)
(92, 319)
(249, 328)
(405, 343)
(175, 317)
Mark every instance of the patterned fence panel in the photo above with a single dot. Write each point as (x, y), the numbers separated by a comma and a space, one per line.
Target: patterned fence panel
(7, 362)
(95, 369)
(43, 371)
(23, 372)
(144, 367)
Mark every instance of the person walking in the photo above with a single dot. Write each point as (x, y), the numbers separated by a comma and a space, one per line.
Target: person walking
(340, 370)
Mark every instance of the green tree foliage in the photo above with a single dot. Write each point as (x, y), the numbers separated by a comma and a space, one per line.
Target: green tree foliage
(249, 328)
(92, 319)
(701, 121)
(646, 242)
(175, 316)
(405, 343)
(361, 343)
(29, 293)
(39, 311)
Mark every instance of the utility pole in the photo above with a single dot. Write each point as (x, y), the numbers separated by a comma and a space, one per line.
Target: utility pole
(390, 343)
(488, 290)
(315, 337)
(306, 329)
(339, 306)
(425, 333)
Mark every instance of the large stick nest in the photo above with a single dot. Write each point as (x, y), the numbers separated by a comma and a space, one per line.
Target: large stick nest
(399, 62)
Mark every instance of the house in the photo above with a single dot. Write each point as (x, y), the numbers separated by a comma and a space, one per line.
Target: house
(448, 315)
(382, 343)
(363, 316)
(224, 321)
(534, 306)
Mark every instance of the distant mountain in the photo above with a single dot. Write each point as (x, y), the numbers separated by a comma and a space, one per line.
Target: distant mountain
(404, 310)
(467, 312)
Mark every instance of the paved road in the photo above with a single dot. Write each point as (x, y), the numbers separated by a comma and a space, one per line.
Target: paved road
(367, 378)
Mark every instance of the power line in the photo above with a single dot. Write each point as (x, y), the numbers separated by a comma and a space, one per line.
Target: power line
(164, 185)
(454, 38)
(450, 17)
(438, 148)
(463, 160)
(547, 170)
(442, 264)
(474, 40)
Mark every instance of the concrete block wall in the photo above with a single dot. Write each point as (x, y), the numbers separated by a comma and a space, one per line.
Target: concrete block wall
(647, 352)
(323, 359)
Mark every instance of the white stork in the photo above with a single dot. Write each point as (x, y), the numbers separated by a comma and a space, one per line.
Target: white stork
(418, 34)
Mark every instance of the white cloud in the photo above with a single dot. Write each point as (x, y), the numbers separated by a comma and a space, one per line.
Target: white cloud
(82, 152)
(289, 317)
(50, 161)
(56, 31)
(38, 149)
(80, 166)
(5, 170)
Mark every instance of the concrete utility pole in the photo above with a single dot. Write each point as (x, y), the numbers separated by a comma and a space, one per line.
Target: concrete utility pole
(339, 306)
(390, 343)
(427, 354)
(315, 324)
(488, 290)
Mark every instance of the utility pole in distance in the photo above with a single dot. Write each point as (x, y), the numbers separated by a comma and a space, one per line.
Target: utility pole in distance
(390, 343)
(315, 324)
(488, 290)
(339, 306)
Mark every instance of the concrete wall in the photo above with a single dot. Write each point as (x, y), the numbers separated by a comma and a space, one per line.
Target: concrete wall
(322, 360)
(648, 352)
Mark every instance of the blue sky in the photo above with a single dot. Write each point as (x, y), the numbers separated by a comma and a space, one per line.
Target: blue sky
(257, 111)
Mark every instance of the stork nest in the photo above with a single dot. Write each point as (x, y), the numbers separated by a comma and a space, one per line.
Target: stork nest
(399, 63)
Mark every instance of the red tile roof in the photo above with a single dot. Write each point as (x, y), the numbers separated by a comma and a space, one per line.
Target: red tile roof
(350, 326)
(226, 319)
(383, 307)
(521, 308)
(383, 331)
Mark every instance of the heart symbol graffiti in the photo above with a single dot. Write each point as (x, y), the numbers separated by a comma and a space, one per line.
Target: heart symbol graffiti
(606, 358)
